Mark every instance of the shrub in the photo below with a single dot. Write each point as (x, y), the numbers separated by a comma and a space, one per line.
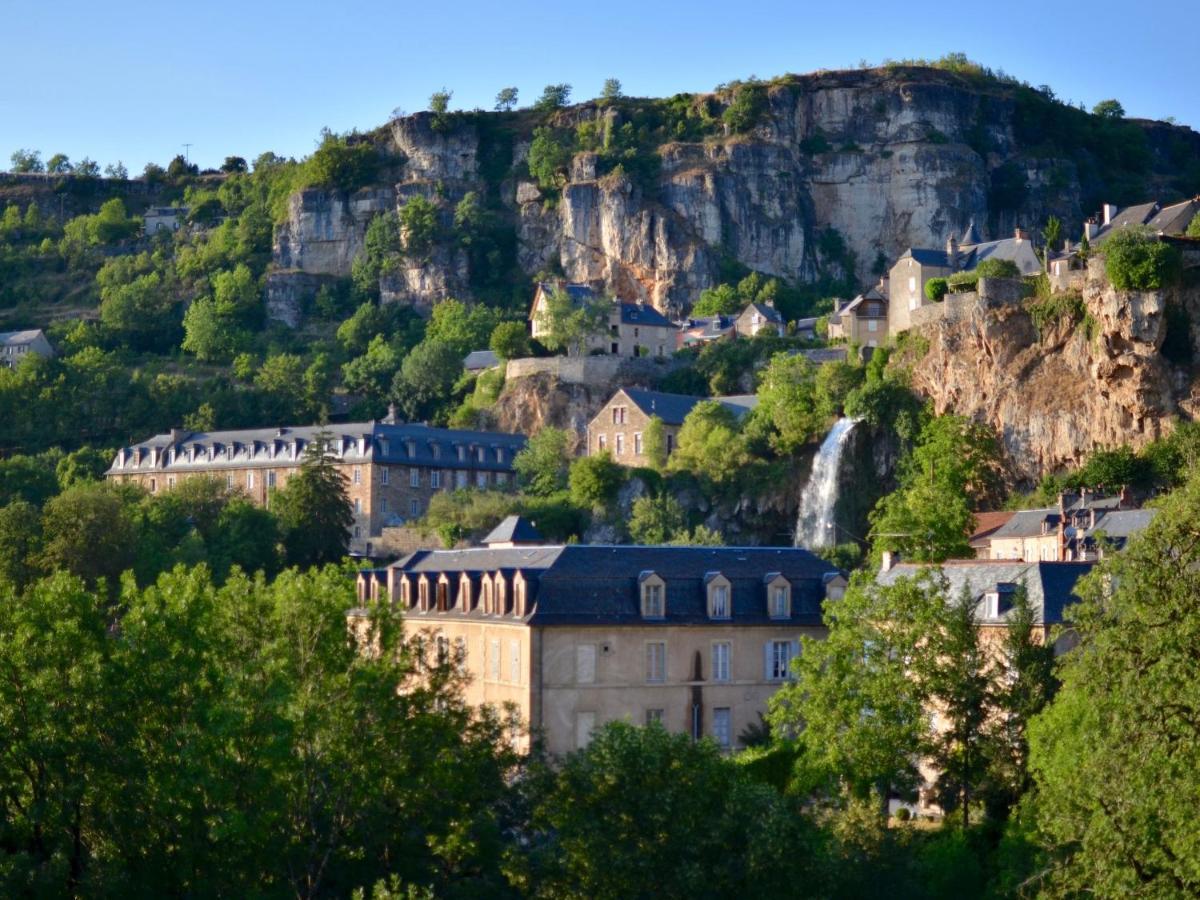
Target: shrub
(548, 158)
(1046, 311)
(961, 282)
(997, 268)
(936, 288)
(749, 104)
(1135, 260)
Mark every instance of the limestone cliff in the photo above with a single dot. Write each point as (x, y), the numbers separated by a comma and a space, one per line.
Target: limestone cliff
(886, 158)
(1092, 379)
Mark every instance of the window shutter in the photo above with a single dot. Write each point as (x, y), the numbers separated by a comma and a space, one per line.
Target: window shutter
(767, 661)
(795, 651)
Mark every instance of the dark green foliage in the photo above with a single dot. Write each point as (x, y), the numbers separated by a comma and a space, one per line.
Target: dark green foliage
(1135, 260)
(554, 96)
(936, 288)
(997, 268)
(1109, 109)
(510, 340)
(549, 157)
(313, 509)
(424, 388)
(747, 106)
(419, 226)
(342, 162)
(595, 480)
(543, 463)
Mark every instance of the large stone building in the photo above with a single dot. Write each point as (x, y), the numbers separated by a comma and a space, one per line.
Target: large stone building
(634, 329)
(576, 635)
(620, 425)
(1081, 527)
(391, 469)
(913, 270)
(16, 345)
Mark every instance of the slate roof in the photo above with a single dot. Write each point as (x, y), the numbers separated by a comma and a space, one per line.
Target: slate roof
(927, 256)
(1019, 252)
(595, 584)
(1122, 524)
(673, 408)
(480, 359)
(1028, 523)
(708, 328)
(769, 313)
(1175, 219)
(1049, 586)
(379, 442)
(579, 293)
(970, 236)
(514, 529)
(644, 315)
(14, 338)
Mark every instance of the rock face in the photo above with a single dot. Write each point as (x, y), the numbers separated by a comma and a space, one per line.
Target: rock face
(1079, 386)
(886, 158)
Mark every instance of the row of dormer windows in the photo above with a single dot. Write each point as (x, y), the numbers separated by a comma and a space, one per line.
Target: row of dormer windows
(491, 595)
(718, 593)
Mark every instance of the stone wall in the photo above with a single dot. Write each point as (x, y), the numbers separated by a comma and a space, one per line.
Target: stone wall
(990, 293)
(592, 371)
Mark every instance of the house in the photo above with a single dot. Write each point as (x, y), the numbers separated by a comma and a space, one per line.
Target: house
(863, 320)
(577, 635)
(806, 328)
(163, 218)
(913, 270)
(986, 524)
(620, 425)
(759, 317)
(16, 345)
(1170, 221)
(1081, 527)
(707, 329)
(634, 329)
(391, 469)
(480, 360)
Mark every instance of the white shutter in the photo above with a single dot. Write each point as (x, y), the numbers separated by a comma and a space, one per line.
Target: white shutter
(585, 663)
(767, 661)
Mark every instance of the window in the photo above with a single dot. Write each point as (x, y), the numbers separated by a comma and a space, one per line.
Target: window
(620, 444)
(482, 454)
(780, 605)
(460, 479)
(637, 443)
(414, 508)
(585, 724)
(357, 531)
(653, 604)
(722, 726)
(653, 716)
(670, 443)
(601, 443)
(779, 659)
(872, 325)
(912, 284)
(585, 663)
(460, 654)
(618, 415)
(481, 480)
(514, 662)
(718, 598)
(656, 662)
(170, 482)
(462, 453)
(358, 474)
(435, 479)
(501, 479)
(250, 480)
(383, 505)
(494, 659)
(153, 485)
(414, 477)
(358, 506)
(720, 660)
(271, 481)
(229, 482)
(385, 475)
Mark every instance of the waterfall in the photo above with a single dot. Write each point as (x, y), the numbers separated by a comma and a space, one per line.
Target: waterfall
(815, 526)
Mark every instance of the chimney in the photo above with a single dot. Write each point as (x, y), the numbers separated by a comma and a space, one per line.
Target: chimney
(890, 559)
(1090, 229)
(1020, 234)
(390, 418)
(1062, 506)
(1123, 497)
(1109, 210)
(178, 434)
(952, 252)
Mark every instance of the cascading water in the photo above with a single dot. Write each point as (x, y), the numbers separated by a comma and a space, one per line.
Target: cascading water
(814, 525)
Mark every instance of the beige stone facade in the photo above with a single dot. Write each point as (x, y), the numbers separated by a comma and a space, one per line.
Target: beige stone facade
(391, 471)
(633, 330)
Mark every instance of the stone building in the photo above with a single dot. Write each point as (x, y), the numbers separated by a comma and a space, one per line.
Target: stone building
(163, 218)
(634, 329)
(16, 345)
(391, 469)
(759, 317)
(863, 320)
(620, 425)
(576, 635)
(1081, 527)
(913, 270)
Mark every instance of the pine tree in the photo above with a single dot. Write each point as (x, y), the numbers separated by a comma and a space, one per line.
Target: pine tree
(313, 509)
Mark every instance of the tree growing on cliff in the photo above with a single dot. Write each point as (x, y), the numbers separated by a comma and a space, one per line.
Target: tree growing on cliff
(554, 96)
(611, 92)
(27, 161)
(510, 340)
(548, 158)
(439, 105)
(418, 225)
(1136, 260)
(1109, 109)
(506, 99)
(1052, 233)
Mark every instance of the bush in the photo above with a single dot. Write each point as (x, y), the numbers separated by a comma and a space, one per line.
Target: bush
(997, 268)
(1135, 260)
(936, 288)
(595, 480)
(749, 104)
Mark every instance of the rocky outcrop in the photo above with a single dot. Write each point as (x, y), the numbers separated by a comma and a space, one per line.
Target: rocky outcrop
(886, 158)
(1084, 383)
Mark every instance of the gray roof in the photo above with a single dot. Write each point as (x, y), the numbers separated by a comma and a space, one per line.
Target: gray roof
(1124, 523)
(673, 408)
(1050, 586)
(642, 314)
(770, 313)
(514, 529)
(595, 584)
(971, 235)
(480, 359)
(1019, 252)
(927, 256)
(709, 327)
(1028, 523)
(1176, 218)
(13, 338)
(378, 442)
(579, 293)
(1129, 217)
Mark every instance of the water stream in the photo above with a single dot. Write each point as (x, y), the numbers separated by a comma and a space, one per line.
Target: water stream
(814, 525)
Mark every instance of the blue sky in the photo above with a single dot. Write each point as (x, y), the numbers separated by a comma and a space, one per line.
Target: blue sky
(136, 80)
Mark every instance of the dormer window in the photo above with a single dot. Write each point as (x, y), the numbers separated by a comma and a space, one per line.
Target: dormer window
(519, 595)
(999, 601)
(501, 589)
(443, 593)
(653, 596)
(423, 594)
(779, 596)
(464, 593)
(485, 591)
(718, 587)
(462, 453)
(406, 592)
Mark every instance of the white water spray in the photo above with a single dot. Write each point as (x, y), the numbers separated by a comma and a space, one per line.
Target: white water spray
(815, 526)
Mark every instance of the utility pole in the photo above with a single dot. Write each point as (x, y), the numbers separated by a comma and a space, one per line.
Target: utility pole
(187, 153)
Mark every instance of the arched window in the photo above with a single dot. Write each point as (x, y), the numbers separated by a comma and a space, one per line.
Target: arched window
(653, 596)
(719, 596)
(406, 598)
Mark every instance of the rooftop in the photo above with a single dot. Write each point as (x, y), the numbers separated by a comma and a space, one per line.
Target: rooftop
(673, 408)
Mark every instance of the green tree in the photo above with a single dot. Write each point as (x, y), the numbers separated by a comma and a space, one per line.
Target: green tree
(59, 164)
(372, 373)
(87, 464)
(1193, 229)
(710, 444)
(692, 837)
(342, 163)
(27, 161)
(313, 509)
(834, 383)
(857, 703)
(116, 171)
(418, 225)
(89, 532)
(234, 165)
(208, 333)
(1136, 260)
(510, 340)
(142, 312)
(611, 92)
(542, 464)
(554, 96)
(20, 544)
(1052, 233)
(549, 158)
(425, 385)
(936, 289)
(1115, 755)
(788, 408)
(1109, 109)
(569, 325)
(997, 268)
(465, 327)
(657, 519)
(723, 299)
(595, 480)
(506, 99)
(654, 443)
(748, 106)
